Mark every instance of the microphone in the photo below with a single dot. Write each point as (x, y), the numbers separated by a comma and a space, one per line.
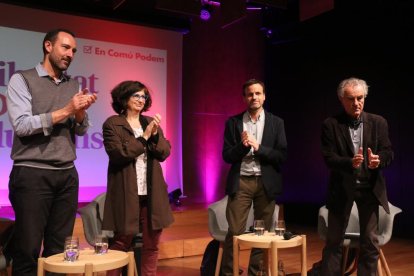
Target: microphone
(288, 235)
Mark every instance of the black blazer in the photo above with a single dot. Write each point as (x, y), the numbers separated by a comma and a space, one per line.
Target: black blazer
(337, 150)
(271, 154)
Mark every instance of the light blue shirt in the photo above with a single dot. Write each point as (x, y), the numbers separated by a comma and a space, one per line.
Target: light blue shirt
(356, 136)
(250, 164)
(19, 108)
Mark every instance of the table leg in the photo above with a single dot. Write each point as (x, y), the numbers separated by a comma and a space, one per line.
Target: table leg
(40, 270)
(235, 256)
(267, 260)
(88, 269)
(274, 259)
(303, 256)
(131, 264)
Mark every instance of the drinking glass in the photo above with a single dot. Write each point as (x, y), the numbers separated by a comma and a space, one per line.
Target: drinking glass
(101, 245)
(259, 227)
(71, 252)
(280, 227)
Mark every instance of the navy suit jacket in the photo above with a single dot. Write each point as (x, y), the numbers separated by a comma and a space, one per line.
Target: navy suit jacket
(337, 150)
(271, 154)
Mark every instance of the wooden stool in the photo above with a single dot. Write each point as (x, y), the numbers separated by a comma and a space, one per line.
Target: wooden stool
(88, 263)
(272, 242)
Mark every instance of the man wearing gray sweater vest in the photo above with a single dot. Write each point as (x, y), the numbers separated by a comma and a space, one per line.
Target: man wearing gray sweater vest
(46, 110)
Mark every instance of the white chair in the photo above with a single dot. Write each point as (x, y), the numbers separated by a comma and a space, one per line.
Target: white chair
(92, 217)
(386, 222)
(218, 226)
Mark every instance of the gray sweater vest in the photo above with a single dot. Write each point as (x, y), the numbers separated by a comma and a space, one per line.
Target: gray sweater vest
(57, 150)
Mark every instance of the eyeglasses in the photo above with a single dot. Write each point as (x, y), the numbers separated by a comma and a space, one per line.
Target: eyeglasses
(140, 97)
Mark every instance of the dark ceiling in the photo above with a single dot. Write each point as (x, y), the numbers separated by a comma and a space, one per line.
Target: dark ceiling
(142, 12)
(280, 18)
(166, 14)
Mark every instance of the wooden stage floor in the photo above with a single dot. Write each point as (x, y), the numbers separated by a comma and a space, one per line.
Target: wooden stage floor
(398, 252)
(183, 244)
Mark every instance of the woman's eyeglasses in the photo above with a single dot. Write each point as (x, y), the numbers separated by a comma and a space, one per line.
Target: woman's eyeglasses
(140, 97)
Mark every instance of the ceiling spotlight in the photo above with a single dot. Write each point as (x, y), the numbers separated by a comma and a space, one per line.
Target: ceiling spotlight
(207, 9)
(205, 13)
(268, 32)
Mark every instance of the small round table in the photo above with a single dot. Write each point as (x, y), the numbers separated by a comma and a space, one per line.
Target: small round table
(272, 242)
(88, 263)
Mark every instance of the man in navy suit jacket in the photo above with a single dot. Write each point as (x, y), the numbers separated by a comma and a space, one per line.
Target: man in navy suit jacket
(355, 147)
(255, 145)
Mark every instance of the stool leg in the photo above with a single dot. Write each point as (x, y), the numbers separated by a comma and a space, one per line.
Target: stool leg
(274, 262)
(303, 257)
(131, 265)
(88, 269)
(40, 268)
(219, 258)
(235, 256)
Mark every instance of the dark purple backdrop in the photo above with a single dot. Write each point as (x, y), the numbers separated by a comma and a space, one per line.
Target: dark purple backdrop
(301, 68)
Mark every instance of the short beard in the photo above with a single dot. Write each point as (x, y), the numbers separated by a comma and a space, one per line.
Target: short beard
(55, 64)
(255, 109)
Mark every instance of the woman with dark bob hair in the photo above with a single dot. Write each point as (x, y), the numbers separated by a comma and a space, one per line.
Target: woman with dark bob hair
(137, 197)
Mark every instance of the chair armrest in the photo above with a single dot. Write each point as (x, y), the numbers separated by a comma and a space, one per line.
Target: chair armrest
(386, 223)
(323, 222)
(90, 221)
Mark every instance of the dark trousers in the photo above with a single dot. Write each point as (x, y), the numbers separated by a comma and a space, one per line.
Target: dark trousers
(45, 204)
(150, 241)
(368, 222)
(238, 206)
